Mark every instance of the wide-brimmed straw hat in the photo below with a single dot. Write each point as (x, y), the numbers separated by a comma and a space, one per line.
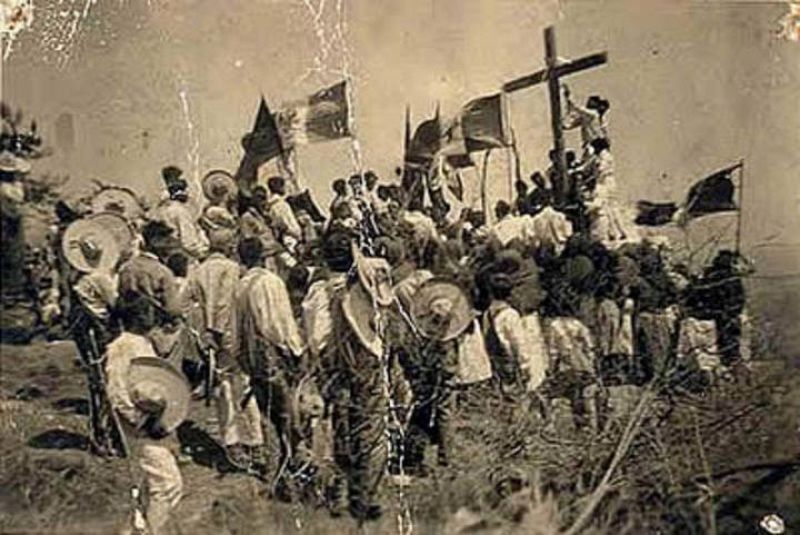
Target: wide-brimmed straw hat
(441, 310)
(375, 274)
(154, 381)
(219, 185)
(97, 242)
(11, 163)
(361, 314)
(118, 200)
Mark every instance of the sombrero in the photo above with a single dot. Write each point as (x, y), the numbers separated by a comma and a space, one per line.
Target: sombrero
(11, 163)
(105, 237)
(375, 275)
(219, 185)
(153, 380)
(118, 200)
(357, 306)
(441, 310)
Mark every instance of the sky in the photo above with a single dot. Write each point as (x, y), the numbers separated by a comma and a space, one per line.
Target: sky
(146, 83)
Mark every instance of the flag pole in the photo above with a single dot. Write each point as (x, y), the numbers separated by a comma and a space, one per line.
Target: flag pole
(510, 165)
(484, 192)
(741, 207)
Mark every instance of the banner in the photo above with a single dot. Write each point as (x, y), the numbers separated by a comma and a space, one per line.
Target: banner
(324, 116)
(261, 145)
(425, 142)
(712, 194)
(655, 214)
(484, 123)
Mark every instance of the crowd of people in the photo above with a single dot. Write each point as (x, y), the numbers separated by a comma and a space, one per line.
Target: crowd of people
(367, 322)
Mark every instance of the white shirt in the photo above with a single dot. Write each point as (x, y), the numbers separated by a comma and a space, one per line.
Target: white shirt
(264, 311)
(512, 227)
(212, 288)
(521, 337)
(178, 216)
(592, 125)
(119, 354)
(284, 221)
(571, 345)
(550, 227)
(317, 319)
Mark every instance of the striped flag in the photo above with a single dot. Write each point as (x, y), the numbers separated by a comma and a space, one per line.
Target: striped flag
(323, 116)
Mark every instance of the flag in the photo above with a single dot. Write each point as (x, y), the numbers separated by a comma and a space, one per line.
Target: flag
(712, 194)
(480, 125)
(484, 123)
(262, 144)
(425, 142)
(655, 214)
(323, 116)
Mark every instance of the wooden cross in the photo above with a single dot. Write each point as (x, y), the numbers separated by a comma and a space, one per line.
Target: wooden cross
(554, 71)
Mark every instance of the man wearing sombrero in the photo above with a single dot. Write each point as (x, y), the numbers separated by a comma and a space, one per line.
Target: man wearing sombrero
(346, 347)
(94, 295)
(151, 399)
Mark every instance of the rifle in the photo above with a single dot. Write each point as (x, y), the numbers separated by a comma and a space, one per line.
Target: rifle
(123, 441)
(211, 362)
(211, 368)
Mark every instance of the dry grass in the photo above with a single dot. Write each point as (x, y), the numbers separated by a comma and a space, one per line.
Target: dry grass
(508, 473)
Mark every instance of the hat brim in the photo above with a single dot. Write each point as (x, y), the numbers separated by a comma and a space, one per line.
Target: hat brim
(358, 309)
(117, 200)
(375, 275)
(11, 163)
(429, 323)
(109, 232)
(218, 185)
(154, 376)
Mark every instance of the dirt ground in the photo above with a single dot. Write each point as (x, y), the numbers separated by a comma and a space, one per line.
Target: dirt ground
(50, 483)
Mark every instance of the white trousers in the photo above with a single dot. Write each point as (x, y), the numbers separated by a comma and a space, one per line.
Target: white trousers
(237, 425)
(164, 484)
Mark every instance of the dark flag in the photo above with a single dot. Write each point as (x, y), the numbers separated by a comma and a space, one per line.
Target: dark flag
(712, 194)
(484, 124)
(460, 161)
(655, 214)
(426, 142)
(261, 145)
(305, 202)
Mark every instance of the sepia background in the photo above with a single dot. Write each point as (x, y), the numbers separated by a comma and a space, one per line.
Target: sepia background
(122, 88)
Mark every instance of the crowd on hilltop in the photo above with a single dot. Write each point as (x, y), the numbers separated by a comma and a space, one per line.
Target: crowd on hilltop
(303, 323)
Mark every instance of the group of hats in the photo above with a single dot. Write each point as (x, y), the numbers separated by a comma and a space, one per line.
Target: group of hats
(439, 309)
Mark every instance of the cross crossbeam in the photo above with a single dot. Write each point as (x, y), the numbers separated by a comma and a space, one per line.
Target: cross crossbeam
(552, 75)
